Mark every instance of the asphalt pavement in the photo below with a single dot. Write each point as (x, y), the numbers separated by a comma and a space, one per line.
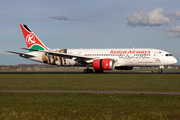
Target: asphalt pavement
(104, 92)
(118, 72)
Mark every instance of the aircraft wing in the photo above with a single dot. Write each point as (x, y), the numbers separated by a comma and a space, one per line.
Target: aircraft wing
(65, 55)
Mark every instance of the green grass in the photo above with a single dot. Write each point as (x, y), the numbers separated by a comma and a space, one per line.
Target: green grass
(88, 106)
(91, 82)
(81, 106)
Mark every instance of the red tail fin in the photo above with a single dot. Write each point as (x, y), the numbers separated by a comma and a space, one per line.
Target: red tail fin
(32, 41)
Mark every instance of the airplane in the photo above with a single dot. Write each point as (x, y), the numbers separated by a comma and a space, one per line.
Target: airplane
(99, 59)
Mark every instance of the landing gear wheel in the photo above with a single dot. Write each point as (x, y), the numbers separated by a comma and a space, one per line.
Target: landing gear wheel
(88, 70)
(160, 70)
(99, 71)
(85, 70)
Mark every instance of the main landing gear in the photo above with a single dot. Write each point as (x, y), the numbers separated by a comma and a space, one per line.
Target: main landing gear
(88, 70)
(91, 71)
(99, 71)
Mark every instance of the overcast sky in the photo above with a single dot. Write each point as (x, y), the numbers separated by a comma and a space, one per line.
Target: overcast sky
(90, 24)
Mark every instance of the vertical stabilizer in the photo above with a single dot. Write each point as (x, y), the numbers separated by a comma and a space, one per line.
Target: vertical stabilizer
(32, 41)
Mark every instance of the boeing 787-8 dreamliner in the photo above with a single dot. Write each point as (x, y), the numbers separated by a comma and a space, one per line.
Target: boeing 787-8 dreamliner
(99, 59)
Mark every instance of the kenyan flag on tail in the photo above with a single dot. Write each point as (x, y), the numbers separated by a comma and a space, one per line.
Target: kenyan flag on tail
(32, 41)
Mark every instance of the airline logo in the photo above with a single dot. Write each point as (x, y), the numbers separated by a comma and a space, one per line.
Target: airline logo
(30, 39)
(157, 61)
(129, 52)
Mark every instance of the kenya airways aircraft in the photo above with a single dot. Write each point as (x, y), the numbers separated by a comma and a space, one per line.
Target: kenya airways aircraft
(99, 59)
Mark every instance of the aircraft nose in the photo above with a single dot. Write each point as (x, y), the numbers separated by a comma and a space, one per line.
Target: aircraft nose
(174, 61)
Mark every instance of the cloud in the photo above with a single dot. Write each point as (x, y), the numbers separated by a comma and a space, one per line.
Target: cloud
(152, 18)
(173, 32)
(173, 14)
(170, 35)
(63, 18)
(175, 29)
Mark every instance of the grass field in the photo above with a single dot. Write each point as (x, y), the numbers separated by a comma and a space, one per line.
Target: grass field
(88, 106)
(70, 106)
(91, 82)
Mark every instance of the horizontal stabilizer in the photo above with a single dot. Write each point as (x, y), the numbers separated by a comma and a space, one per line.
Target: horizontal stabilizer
(29, 49)
(22, 54)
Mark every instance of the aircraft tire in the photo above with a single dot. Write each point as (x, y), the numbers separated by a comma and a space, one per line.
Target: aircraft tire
(160, 70)
(99, 71)
(91, 70)
(88, 70)
(85, 70)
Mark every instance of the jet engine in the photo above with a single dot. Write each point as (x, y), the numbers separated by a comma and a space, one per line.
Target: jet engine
(103, 64)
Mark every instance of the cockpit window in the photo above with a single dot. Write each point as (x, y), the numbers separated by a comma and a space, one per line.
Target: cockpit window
(168, 55)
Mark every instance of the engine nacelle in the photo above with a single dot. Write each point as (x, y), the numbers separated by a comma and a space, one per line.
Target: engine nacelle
(124, 67)
(103, 64)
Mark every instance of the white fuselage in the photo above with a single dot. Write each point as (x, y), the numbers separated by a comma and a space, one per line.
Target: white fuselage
(124, 57)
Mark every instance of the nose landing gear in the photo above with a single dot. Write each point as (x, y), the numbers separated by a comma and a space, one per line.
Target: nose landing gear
(160, 69)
